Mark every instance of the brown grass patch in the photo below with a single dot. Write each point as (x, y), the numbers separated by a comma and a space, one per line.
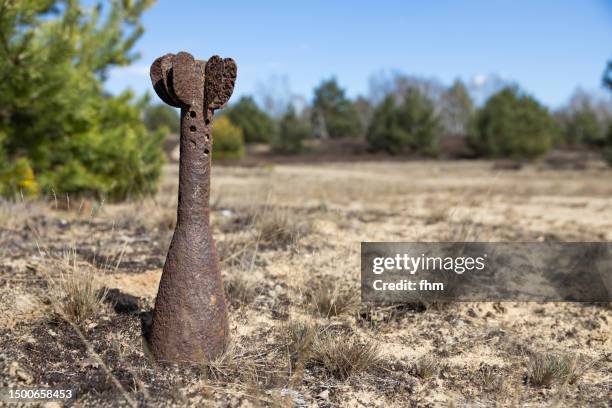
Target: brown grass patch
(426, 367)
(543, 369)
(344, 356)
(75, 291)
(328, 302)
(280, 228)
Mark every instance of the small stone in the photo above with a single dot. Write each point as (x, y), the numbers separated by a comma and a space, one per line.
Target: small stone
(324, 395)
(17, 372)
(88, 362)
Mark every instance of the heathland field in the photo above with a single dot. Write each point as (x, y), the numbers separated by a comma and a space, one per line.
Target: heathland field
(288, 237)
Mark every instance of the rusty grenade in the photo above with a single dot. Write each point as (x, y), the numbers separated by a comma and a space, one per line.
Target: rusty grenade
(190, 316)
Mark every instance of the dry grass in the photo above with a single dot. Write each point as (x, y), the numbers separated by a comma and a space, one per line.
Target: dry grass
(300, 336)
(544, 369)
(239, 291)
(344, 356)
(437, 213)
(490, 379)
(15, 215)
(243, 367)
(74, 288)
(330, 301)
(147, 215)
(274, 358)
(280, 227)
(426, 367)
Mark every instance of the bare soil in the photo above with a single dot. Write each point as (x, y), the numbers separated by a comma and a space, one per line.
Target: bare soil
(283, 233)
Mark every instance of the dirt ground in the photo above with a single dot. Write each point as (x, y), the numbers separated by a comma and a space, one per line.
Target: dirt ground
(289, 238)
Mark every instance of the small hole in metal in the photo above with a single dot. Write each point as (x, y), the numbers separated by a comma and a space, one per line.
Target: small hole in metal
(192, 114)
(192, 128)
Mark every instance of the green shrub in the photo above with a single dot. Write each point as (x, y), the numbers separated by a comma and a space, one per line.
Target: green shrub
(56, 117)
(256, 125)
(161, 117)
(512, 125)
(409, 126)
(17, 179)
(292, 132)
(607, 153)
(339, 116)
(581, 126)
(228, 142)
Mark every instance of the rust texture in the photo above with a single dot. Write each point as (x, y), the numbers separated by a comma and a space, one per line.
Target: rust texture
(190, 316)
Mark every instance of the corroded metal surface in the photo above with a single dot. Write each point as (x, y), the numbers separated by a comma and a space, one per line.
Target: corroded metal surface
(190, 317)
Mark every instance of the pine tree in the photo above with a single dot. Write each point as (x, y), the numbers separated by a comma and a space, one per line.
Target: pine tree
(512, 125)
(457, 109)
(339, 115)
(411, 126)
(256, 125)
(54, 112)
(292, 131)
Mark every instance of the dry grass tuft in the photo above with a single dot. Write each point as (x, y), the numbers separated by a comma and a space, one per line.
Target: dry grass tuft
(344, 357)
(426, 367)
(437, 214)
(147, 215)
(300, 337)
(239, 291)
(15, 215)
(74, 289)
(238, 253)
(238, 365)
(280, 227)
(490, 379)
(543, 369)
(328, 302)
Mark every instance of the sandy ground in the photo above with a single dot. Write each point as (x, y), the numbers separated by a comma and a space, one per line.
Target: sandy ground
(284, 232)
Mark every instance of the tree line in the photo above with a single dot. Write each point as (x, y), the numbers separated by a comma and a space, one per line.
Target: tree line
(412, 116)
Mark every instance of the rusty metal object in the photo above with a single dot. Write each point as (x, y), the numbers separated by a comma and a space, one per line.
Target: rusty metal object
(190, 317)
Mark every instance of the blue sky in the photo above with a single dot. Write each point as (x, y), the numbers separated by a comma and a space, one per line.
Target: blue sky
(549, 47)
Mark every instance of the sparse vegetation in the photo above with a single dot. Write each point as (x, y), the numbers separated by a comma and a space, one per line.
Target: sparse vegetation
(543, 369)
(426, 367)
(328, 301)
(491, 379)
(301, 336)
(280, 227)
(295, 338)
(239, 291)
(343, 357)
(75, 291)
